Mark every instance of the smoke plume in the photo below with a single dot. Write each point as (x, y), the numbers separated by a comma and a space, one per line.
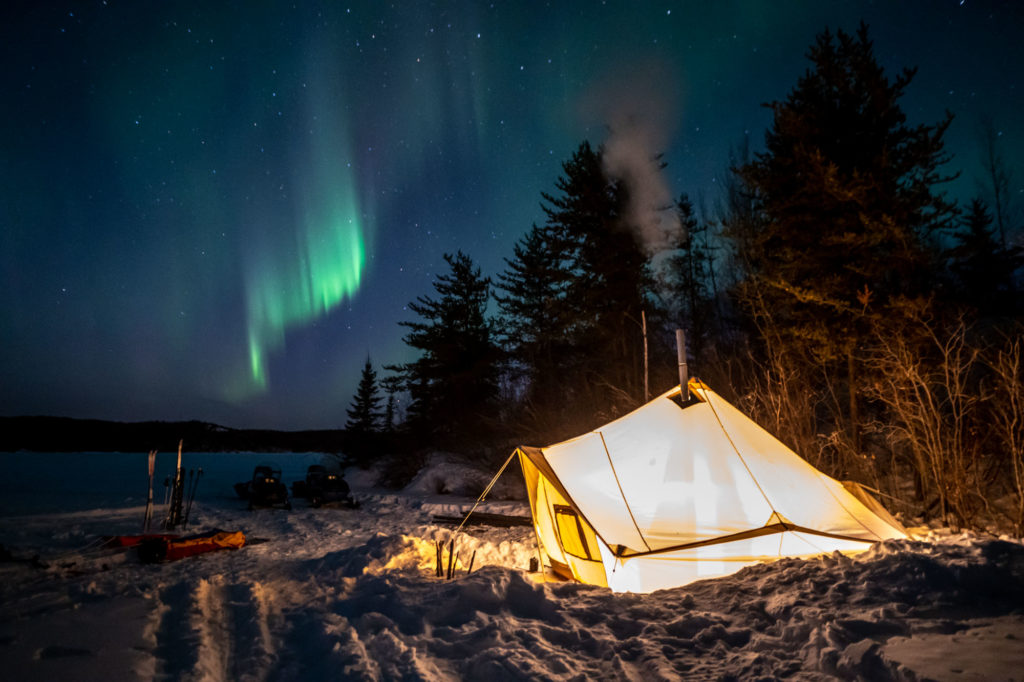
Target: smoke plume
(636, 105)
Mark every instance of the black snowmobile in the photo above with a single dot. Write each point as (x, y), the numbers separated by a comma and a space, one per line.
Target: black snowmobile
(324, 487)
(265, 489)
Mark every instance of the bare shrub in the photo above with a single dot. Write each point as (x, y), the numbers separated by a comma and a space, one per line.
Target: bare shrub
(785, 403)
(1006, 410)
(922, 375)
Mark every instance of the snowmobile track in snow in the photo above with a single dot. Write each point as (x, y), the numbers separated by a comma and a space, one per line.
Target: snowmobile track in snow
(214, 630)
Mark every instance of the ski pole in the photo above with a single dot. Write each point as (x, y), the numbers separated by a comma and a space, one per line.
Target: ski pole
(167, 503)
(191, 496)
(185, 487)
(148, 517)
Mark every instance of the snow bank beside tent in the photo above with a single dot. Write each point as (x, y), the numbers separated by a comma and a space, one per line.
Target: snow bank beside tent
(447, 474)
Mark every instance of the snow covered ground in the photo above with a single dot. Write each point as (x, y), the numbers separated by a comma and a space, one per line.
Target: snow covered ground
(352, 594)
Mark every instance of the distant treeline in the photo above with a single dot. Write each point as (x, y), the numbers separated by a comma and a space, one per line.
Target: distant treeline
(60, 434)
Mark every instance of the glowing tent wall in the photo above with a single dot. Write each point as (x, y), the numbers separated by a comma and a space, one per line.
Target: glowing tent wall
(670, 494)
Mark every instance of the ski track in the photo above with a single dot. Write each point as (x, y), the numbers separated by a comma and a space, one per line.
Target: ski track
(214, 630)
(175, 645)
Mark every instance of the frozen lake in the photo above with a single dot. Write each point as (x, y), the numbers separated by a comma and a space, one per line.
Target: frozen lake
(47, 482)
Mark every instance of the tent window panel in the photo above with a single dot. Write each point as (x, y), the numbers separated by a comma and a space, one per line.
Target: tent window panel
(572, 535)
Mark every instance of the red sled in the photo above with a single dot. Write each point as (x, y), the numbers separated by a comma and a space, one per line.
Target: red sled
(125, 541)
(157, 549)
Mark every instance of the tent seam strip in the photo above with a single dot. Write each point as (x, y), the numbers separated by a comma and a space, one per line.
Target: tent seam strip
(621, 492)
(707, 399)
(752, 533)
(758, 484)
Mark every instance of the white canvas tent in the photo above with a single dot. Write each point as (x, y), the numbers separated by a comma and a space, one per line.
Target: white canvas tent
(669, 494)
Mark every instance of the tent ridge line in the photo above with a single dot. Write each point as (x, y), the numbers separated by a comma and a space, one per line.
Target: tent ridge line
(623, 553)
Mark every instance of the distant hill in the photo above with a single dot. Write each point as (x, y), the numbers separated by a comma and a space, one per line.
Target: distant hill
(63, 434)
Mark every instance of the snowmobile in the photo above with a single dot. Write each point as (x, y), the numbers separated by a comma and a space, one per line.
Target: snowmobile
(265, 489)
(324, 487)
(313, 474)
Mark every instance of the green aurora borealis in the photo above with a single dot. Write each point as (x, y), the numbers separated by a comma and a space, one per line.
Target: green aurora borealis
(217, 210)
(295, 277)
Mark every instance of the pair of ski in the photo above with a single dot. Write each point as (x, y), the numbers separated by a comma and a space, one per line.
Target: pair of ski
(175, 496)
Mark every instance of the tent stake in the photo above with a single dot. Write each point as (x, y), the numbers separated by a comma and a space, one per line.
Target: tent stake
(453, 566)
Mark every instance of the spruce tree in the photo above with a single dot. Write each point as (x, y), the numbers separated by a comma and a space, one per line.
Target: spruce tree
(847, 210)
(985, 270)
(363, 425)
(687, 279)
(536, 325)
(364, 413)
(453, 384)
(607, 289)
(847, 194)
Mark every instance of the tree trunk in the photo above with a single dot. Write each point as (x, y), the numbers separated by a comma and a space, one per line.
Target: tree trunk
(854, 414)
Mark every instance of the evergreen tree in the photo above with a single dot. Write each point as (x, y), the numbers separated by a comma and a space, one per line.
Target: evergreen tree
(536, 324)
(688, 279)
(607, 288)
(453, 384)
(984, 269)
(364, 414)
(846, 192)
(392, 386)
(847, 208)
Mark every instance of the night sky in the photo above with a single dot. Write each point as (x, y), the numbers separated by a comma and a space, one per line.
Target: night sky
(216, 210)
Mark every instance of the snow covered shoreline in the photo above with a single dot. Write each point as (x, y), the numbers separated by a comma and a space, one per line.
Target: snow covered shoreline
(352, 594)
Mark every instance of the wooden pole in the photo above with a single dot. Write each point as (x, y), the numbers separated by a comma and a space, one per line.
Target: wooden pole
(684, 373)
(643, 326)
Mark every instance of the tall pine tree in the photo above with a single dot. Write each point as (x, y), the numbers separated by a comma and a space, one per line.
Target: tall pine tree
(847, 208)
(608, 286)
(364, 413)
(363, 424)
(985, 271)
(535, 327)
(453, 385)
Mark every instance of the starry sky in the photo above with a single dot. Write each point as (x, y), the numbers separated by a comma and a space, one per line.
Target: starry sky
(217, 210)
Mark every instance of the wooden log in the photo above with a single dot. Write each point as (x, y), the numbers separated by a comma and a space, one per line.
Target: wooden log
(482, 519)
